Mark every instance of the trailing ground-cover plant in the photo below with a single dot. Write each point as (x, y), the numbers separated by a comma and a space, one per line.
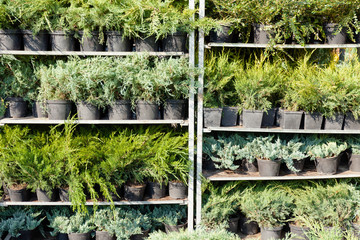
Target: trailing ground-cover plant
(327, 149)
(268, 206)
(198, 234)
(18, 78)
(170, 215)
(257, 85)
(220, 70)
(20, 221)
(220, 204)
(331, 206)
(54, 80)
(225, 151)
(33, 15)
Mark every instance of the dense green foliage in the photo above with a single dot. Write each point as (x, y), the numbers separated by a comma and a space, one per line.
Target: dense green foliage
(84, 160)
(98, 80)
(301, 84)
(297, 19)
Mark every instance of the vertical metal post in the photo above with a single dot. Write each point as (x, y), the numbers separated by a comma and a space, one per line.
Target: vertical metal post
(200, 116)
(191, 128)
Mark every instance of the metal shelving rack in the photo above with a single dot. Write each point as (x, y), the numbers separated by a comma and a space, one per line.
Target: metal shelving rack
(190, 123)
(231, 176)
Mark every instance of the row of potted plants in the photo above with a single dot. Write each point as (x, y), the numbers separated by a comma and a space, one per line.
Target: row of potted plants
(93, 163)
(292, 95)
(95, 24)
(266, 154)
(122, 84)
(105, 223)
(308, 210)
(285, 21)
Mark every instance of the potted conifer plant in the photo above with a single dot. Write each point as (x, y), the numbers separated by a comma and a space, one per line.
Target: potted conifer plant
(10, 36)
(33, 17)
(269, 207)
(86, 85)
(326, 155)
(87, 20)
(256, 87)
(354, 161)
(54, 90)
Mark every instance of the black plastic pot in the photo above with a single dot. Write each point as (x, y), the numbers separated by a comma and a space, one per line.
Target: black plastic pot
(222, 35)
(90, 43)
(39, 110)
(252, 118)
(350, 123)
(331, 38)
(39, 42)
(120, 110)
(116, 196)
(147, 110)
(116, 43)
(62, 236)
(313, 121)
(87, 111)
(141, 236)
(79, 236)
(209, 164)
(177, 228)
(268, 119)
(64, 194)
(58, 109)
(279, 117)
(335, 122)
(212, 117)
(250, 167)
(230, 116)
(134, 192)
(17, 107)
(268, 168)
(354, 163)
(248, 228)
(327, 166)
(146, 45)
(156, 190)
(271, 233)
(261, 34)
(20, 195)
(103, 235)
(175, 42)
(177, 190)
(291, 119)
(24, 235)
(298, 233)
(43, 196)
(299, 164)
(174, 109)
(10, 40)
(62, 41)
(233, 224)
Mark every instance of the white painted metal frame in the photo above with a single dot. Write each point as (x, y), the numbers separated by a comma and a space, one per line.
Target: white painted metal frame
(191, 122)
(200, 115)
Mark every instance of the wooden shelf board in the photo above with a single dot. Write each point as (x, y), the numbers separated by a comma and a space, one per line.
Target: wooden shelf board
(283, 46)
(44, 121)
(79, 53)
(277, 130)
(310, 173)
